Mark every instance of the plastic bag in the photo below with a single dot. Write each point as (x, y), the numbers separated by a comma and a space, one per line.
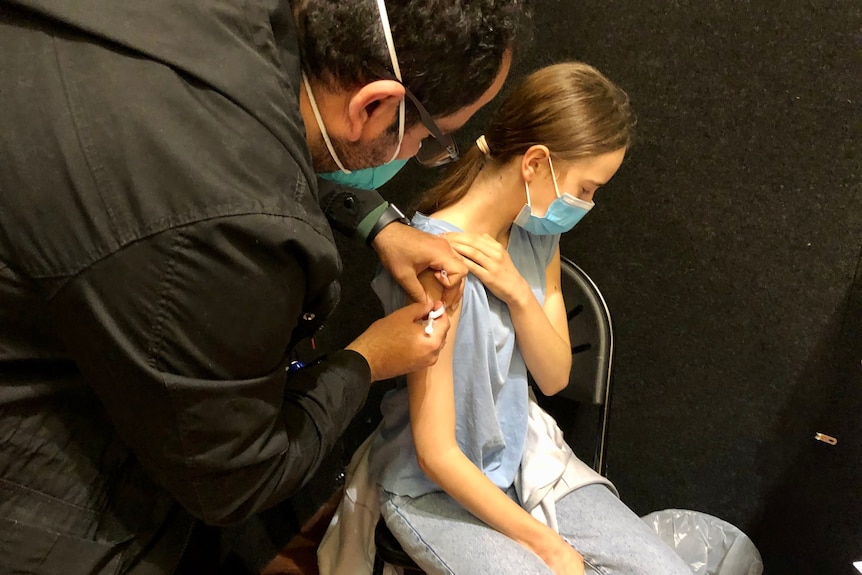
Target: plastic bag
(708, 544)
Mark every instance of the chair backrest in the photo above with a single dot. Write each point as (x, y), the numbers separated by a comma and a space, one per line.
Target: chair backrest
(591, 335)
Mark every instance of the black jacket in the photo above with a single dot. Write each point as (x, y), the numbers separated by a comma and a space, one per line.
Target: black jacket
(163, 248)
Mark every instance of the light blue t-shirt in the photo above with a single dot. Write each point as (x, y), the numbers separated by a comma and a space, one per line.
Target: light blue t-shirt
(490, 376)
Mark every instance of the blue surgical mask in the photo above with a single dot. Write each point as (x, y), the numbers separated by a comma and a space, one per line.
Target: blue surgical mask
(367, 179)
(375, 176)
(562, 215)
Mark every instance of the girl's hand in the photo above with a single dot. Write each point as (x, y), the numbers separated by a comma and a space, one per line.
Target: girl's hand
(563, 559)
(490, 262)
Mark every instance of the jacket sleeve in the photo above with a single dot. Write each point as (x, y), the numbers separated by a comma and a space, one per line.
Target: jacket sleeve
(345, 208)
(184, 337)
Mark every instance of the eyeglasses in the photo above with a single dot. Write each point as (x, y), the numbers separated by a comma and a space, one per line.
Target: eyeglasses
(442, 149)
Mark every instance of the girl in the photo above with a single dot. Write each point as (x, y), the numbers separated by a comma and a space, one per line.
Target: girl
(448, 452)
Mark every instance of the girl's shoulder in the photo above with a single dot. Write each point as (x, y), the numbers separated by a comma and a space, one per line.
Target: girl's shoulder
(432, 225)
(540, 247)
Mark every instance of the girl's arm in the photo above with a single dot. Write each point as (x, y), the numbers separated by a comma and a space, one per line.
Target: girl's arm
(543, 338)
(432, 417)
(542, 332)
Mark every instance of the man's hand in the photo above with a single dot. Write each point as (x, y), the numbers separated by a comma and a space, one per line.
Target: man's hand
(399, 342)
(406, 252)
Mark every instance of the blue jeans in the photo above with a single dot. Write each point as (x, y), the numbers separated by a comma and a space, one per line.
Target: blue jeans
(446, 539)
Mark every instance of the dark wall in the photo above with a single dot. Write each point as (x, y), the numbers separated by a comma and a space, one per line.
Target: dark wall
(727, 248)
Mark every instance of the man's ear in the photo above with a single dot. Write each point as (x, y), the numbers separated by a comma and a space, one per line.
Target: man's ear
(532, 159)
(372, 109)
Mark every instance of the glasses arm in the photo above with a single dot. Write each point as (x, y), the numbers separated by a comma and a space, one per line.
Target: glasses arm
(427, 120)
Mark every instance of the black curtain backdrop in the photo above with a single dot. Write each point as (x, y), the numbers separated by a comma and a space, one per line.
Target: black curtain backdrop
(728, 249)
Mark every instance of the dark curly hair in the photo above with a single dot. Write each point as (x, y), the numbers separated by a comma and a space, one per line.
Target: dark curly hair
(449, 51)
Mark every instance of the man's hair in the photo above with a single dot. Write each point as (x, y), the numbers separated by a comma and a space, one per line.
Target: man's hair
(449, 51)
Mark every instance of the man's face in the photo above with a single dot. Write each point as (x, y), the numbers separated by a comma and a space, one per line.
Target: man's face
(359, 155)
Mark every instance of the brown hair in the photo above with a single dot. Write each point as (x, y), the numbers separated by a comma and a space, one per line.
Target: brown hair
(571, 108)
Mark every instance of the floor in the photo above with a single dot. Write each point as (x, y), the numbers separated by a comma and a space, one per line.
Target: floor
(299, 557)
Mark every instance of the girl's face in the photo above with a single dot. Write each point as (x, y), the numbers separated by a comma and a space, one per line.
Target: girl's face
(580, 178)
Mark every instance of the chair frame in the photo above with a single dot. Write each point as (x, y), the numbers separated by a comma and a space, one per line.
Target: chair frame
(602, 384)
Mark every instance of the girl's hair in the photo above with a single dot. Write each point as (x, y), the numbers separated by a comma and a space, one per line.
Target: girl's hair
(571, 108)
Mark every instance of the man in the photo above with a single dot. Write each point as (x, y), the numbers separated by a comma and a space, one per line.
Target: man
(164, 246)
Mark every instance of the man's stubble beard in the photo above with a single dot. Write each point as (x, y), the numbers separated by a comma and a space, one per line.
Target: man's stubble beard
(354, 156)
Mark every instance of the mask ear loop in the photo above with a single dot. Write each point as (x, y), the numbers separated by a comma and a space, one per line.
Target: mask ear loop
(320, 125)
(390, 44)
(526, 211)
(554, 176)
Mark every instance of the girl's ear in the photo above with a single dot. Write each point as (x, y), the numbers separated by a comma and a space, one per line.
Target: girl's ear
(372, 109)
(534, 157)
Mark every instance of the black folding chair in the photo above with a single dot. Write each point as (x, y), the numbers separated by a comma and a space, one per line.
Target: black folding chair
(591, 335)
(592, 339)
